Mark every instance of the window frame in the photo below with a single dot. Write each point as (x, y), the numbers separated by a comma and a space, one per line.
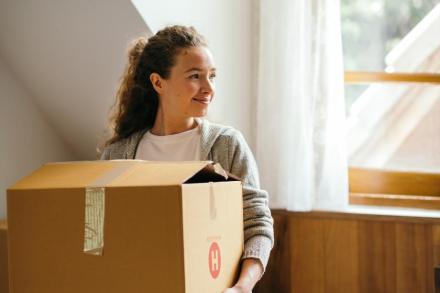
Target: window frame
(380, 187)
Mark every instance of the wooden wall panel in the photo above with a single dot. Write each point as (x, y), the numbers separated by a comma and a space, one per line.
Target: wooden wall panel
(436, 254)
(436, 244)
(307, 252)
(337, 252)
(340, 269)
(377, 256)
(414, 259)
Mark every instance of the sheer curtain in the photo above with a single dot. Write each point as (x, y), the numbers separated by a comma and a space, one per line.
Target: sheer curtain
(300, 120)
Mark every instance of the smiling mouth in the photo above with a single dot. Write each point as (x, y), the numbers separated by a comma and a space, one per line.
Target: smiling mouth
(203, 101)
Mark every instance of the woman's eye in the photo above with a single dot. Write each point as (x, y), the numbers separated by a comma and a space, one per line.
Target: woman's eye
(194, 76)
(212, 76)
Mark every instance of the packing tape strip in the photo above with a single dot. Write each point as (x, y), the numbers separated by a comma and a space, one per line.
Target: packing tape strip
(212, 205)
(94, 220)
(95, 209)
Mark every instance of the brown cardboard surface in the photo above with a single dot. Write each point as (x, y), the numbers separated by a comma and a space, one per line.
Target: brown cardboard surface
(216, 218)
(132, 173)
(4, 283)
(159, 173)
(142, 242)
(155, 231)
(64, 175)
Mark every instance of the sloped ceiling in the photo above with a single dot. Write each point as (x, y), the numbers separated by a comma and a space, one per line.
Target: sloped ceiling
(69, 55)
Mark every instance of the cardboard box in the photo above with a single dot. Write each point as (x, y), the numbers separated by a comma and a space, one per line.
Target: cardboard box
(125, 226)
(4, 284)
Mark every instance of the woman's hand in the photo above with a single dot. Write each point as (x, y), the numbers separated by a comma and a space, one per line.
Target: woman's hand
(236, 289)
(251, 271)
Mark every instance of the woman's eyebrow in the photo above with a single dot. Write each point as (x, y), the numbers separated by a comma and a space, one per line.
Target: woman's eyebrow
(193, 69)
(199, 69)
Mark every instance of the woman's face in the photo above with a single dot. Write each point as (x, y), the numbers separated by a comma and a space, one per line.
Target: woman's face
(189, 89)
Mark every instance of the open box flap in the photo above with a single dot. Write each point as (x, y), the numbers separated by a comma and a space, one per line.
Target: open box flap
(119, 173)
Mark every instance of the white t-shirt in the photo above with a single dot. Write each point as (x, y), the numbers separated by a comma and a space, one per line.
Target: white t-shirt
(184, 146)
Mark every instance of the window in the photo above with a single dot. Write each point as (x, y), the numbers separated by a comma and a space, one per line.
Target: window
(392, 63)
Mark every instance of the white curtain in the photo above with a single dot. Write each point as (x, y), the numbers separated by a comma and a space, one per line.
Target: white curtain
(300, 136)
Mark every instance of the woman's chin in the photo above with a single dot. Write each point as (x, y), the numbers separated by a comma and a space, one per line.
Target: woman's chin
(200, 114)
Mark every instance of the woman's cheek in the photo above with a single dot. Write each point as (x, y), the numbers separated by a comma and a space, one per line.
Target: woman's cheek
(192, 86)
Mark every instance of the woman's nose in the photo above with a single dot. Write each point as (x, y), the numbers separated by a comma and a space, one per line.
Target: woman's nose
(208, 86)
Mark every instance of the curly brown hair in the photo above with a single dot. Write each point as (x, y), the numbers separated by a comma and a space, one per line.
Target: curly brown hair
(136, 100)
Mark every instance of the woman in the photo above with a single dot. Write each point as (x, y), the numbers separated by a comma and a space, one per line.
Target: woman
(166, 89)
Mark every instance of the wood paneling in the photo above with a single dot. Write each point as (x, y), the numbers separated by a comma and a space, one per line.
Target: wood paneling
(322, 269)
(436, 243)
(338, 252)
(341, 274)
(307, 271)
(377, 257)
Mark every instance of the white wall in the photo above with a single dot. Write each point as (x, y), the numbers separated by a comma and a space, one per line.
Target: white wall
(227, 24)
(70, 55)
(26, 138)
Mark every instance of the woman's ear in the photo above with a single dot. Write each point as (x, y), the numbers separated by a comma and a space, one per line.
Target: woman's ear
(158, 82)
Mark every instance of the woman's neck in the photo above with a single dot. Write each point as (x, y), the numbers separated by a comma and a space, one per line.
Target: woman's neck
(166, 125)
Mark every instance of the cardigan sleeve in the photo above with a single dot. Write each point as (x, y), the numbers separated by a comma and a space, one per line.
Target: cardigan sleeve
(105, 155)
(257, 218)
(117, 150)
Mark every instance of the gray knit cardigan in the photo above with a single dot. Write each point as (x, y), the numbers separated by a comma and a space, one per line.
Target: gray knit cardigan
(227, 146)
